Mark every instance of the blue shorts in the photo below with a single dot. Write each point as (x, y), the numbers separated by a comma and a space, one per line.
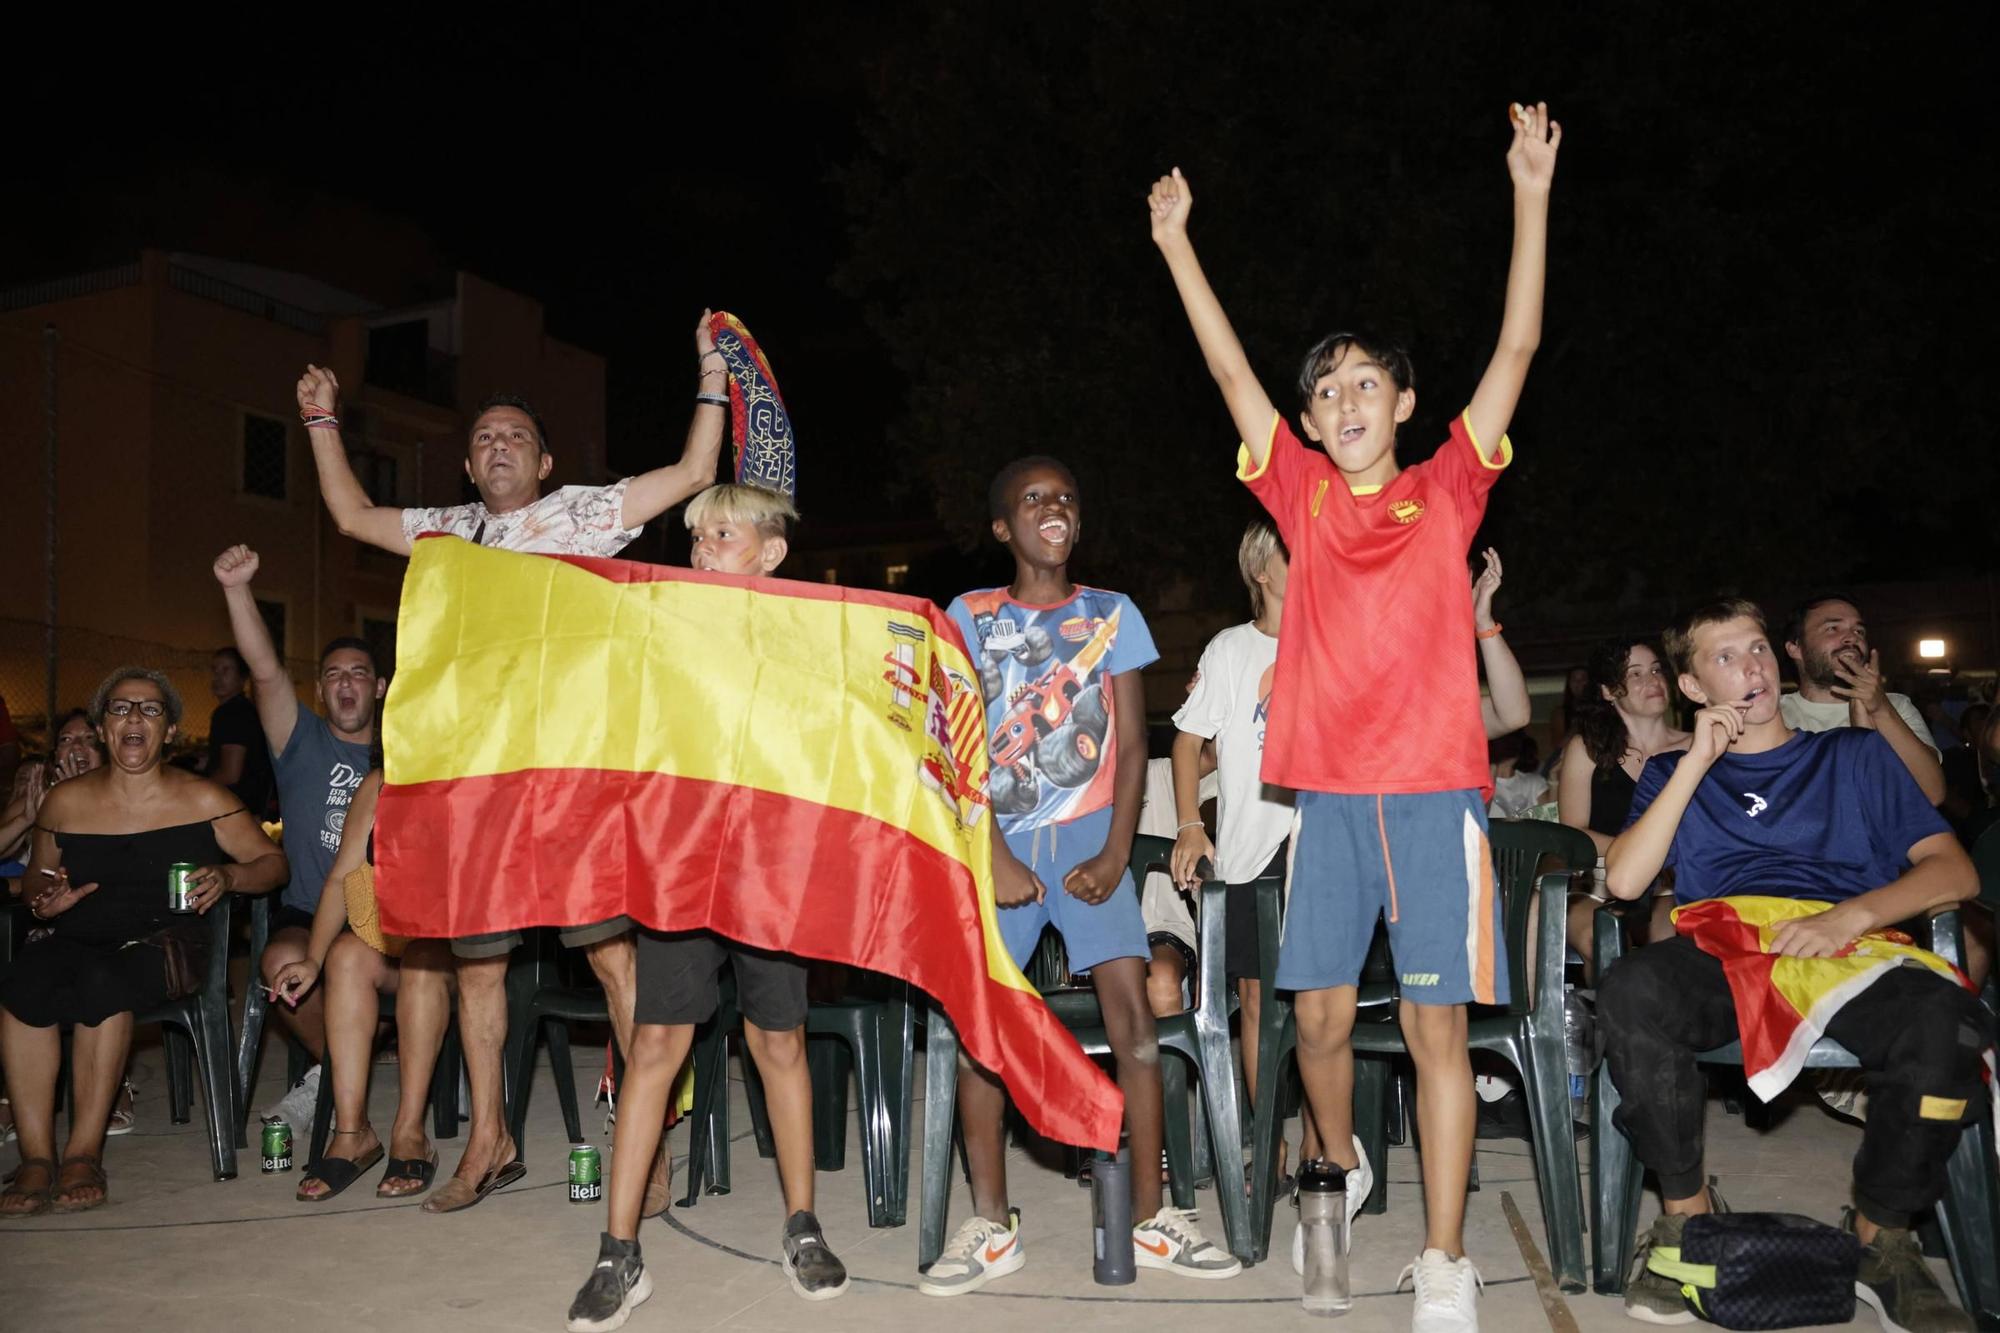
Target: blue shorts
(1091, 934)
(1422, 861)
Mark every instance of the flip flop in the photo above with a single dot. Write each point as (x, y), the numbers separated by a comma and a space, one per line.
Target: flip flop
(407, 1168)
(456, 1196)
(40, 1200)
(95, 1168)
(336, 1173)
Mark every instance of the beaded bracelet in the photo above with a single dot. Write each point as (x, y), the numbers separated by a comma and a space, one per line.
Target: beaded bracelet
(1493, 633)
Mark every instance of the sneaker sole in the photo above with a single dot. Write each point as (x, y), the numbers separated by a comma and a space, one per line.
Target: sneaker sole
(634, 1298)
(1145, 1258)
(1646, 1316)
(823, 1294)
(1001, 1268)
(1865, 1293)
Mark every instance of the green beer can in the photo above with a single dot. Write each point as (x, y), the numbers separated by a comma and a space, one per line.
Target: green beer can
(277, 1147)
(586, 1174)
(177, 886)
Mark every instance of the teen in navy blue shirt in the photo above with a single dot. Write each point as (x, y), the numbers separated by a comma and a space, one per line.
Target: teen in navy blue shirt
(1753, 808)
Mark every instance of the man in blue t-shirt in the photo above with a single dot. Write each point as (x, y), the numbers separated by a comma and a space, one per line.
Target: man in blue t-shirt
(319, 763)
(1753, 807)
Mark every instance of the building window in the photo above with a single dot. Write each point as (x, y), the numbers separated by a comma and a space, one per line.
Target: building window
(379, 474)
(274, 621)
(895, 576)
(380, 634)
(264, 456)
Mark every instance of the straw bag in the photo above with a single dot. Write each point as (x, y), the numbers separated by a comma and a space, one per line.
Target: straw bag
(362, 916)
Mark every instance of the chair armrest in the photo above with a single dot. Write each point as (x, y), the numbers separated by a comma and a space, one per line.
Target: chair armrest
(1948, 937)
(1211, 957)
(1608, 937)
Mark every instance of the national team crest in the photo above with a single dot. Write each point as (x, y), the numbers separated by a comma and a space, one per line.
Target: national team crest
(1406, 511)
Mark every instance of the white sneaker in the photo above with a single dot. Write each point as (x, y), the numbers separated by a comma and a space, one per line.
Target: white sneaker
(296, 1107)
(1447, 1293)
(1360, 1184)
(1171, 1241)
(981, 1251)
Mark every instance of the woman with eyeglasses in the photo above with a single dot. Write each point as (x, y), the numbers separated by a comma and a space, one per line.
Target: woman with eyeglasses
(97, 887)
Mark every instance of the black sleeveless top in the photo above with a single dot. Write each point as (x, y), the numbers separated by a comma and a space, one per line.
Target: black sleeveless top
(1611, 789)
(130, 871)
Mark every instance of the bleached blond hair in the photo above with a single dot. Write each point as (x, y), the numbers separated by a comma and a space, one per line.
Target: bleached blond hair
(772, 514)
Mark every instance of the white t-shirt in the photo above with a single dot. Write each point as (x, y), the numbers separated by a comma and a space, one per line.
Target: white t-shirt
(1164, 907)
(1802, 714)
(575, 520)
(1228, 704)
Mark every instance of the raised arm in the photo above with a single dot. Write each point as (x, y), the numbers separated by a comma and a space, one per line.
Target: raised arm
(1531, 162)
(1249, 406)
(651, 494)
(353, 512)
(1505, 709)
(277, 703)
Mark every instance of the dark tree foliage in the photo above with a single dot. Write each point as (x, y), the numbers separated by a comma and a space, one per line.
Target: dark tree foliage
(1764, 346)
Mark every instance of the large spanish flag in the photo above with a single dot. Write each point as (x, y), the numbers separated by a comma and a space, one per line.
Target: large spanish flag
(796, 766)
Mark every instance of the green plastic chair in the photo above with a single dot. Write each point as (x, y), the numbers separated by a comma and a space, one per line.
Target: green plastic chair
(1532, 860)
(1968, 1216)
(871, 1039)
(1199, 1036)
(250, 1033)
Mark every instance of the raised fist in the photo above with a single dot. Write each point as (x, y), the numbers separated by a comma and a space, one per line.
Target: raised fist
(236, 567)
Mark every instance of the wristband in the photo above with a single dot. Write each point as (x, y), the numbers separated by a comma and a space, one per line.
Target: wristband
(715, 398)
(1192, 823)
(1493, 633)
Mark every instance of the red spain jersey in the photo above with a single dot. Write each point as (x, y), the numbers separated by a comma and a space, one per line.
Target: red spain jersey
(1377, 689)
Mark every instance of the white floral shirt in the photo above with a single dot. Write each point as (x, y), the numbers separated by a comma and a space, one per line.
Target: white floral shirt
(575, 520)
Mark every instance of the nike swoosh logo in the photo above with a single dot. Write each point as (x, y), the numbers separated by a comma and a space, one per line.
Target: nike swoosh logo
(993, 1255)
(1159, 1249)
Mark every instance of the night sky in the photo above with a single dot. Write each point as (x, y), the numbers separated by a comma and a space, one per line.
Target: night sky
(1771, 257)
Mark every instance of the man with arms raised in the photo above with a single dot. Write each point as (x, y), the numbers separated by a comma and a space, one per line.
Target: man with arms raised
(507, 458)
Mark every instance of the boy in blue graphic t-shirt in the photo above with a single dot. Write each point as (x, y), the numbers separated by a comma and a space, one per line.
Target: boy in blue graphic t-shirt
(1066, 724)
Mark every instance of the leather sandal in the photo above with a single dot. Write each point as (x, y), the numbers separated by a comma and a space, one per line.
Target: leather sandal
(337, 1173)
(39, 1201)
(455, 1196)
(93, 1176)
(421, 1169)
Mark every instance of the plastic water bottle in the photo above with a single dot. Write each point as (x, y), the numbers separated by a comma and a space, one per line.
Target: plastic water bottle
(1111, 1218)
(1579, 1048)
(1323, 1219)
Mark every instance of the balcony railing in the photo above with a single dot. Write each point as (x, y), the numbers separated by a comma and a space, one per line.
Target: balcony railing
(65, 289)
(244, 299)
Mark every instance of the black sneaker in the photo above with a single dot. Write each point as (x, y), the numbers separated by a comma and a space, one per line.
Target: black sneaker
(1895, 1280)
(619, 1282)
(816, 1273)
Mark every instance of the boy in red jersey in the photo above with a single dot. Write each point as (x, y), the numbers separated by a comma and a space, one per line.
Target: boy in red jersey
(1375, 716)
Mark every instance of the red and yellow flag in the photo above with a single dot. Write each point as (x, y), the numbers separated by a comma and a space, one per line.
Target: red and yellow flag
(793, 765)
(1784, 1004)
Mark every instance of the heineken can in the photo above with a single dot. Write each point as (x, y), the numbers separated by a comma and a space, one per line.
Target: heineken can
(177, 886)
(277, 1146)
(586, 1174)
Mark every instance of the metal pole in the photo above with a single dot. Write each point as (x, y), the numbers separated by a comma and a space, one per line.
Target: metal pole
(49, 339)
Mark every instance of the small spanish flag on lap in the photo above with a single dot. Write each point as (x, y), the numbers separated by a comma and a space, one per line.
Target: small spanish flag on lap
(786, 764)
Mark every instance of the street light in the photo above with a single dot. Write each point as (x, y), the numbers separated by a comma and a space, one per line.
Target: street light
(1930, 650)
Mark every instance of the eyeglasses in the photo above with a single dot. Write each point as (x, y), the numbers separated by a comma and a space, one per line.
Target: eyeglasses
(146, 707)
